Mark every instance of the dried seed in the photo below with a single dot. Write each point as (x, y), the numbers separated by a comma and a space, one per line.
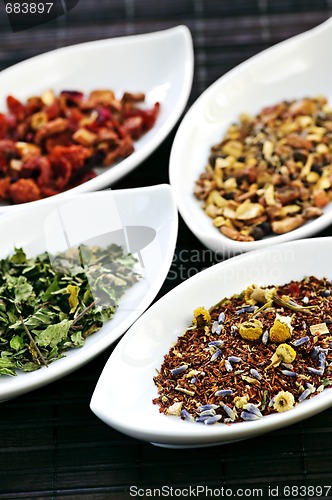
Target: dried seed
(265, 337)
(252, 409)
(316, 371)
(247, 309)
(214, 326)
(201, 419)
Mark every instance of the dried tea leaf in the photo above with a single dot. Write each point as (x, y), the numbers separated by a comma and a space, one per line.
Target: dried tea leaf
(49, 304)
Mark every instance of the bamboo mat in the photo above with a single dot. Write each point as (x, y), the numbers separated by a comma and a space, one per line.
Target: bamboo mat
(51, 445)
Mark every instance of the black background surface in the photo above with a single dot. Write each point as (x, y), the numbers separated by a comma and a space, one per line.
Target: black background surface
(51, 444)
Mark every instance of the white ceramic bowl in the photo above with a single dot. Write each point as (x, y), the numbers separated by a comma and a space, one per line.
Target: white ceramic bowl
(295, 68)
(130, 218)
(127, 406)
(159, 64)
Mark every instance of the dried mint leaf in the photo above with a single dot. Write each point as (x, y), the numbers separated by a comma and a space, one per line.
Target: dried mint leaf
(49, 304)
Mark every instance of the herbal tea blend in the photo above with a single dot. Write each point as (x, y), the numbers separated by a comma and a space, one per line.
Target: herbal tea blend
(49, 306)
(270, 173)
(263, 351)
(53, 142)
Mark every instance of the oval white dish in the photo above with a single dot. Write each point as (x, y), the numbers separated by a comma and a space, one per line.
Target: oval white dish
(130, 218)
(294, 68)
(160, 64)
(127, 406)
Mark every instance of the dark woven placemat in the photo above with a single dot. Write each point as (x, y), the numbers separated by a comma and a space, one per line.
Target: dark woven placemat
(51, 445)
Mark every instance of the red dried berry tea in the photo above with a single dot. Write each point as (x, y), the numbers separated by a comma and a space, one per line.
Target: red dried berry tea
(52, 143)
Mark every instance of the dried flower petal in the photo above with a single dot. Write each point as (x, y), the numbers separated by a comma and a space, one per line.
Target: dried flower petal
(304, 395)
(185, 415)
(246, 415)
(240, 401)
(300, 341)
(215, 355)
(178, 370)
(223, 392)
(252, 409)
(175, 409)
(212, 420)
(231, 413)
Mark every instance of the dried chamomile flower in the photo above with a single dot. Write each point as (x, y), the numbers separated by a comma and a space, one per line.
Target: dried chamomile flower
(201, 316)
(255, 294)
(251, 329)
(283, 401)
(286, 353)
(281, 329)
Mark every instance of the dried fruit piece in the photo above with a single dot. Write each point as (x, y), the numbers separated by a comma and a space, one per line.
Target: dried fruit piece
(91, 130)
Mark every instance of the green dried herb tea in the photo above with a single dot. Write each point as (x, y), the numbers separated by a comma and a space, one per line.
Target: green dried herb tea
(49, 304)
